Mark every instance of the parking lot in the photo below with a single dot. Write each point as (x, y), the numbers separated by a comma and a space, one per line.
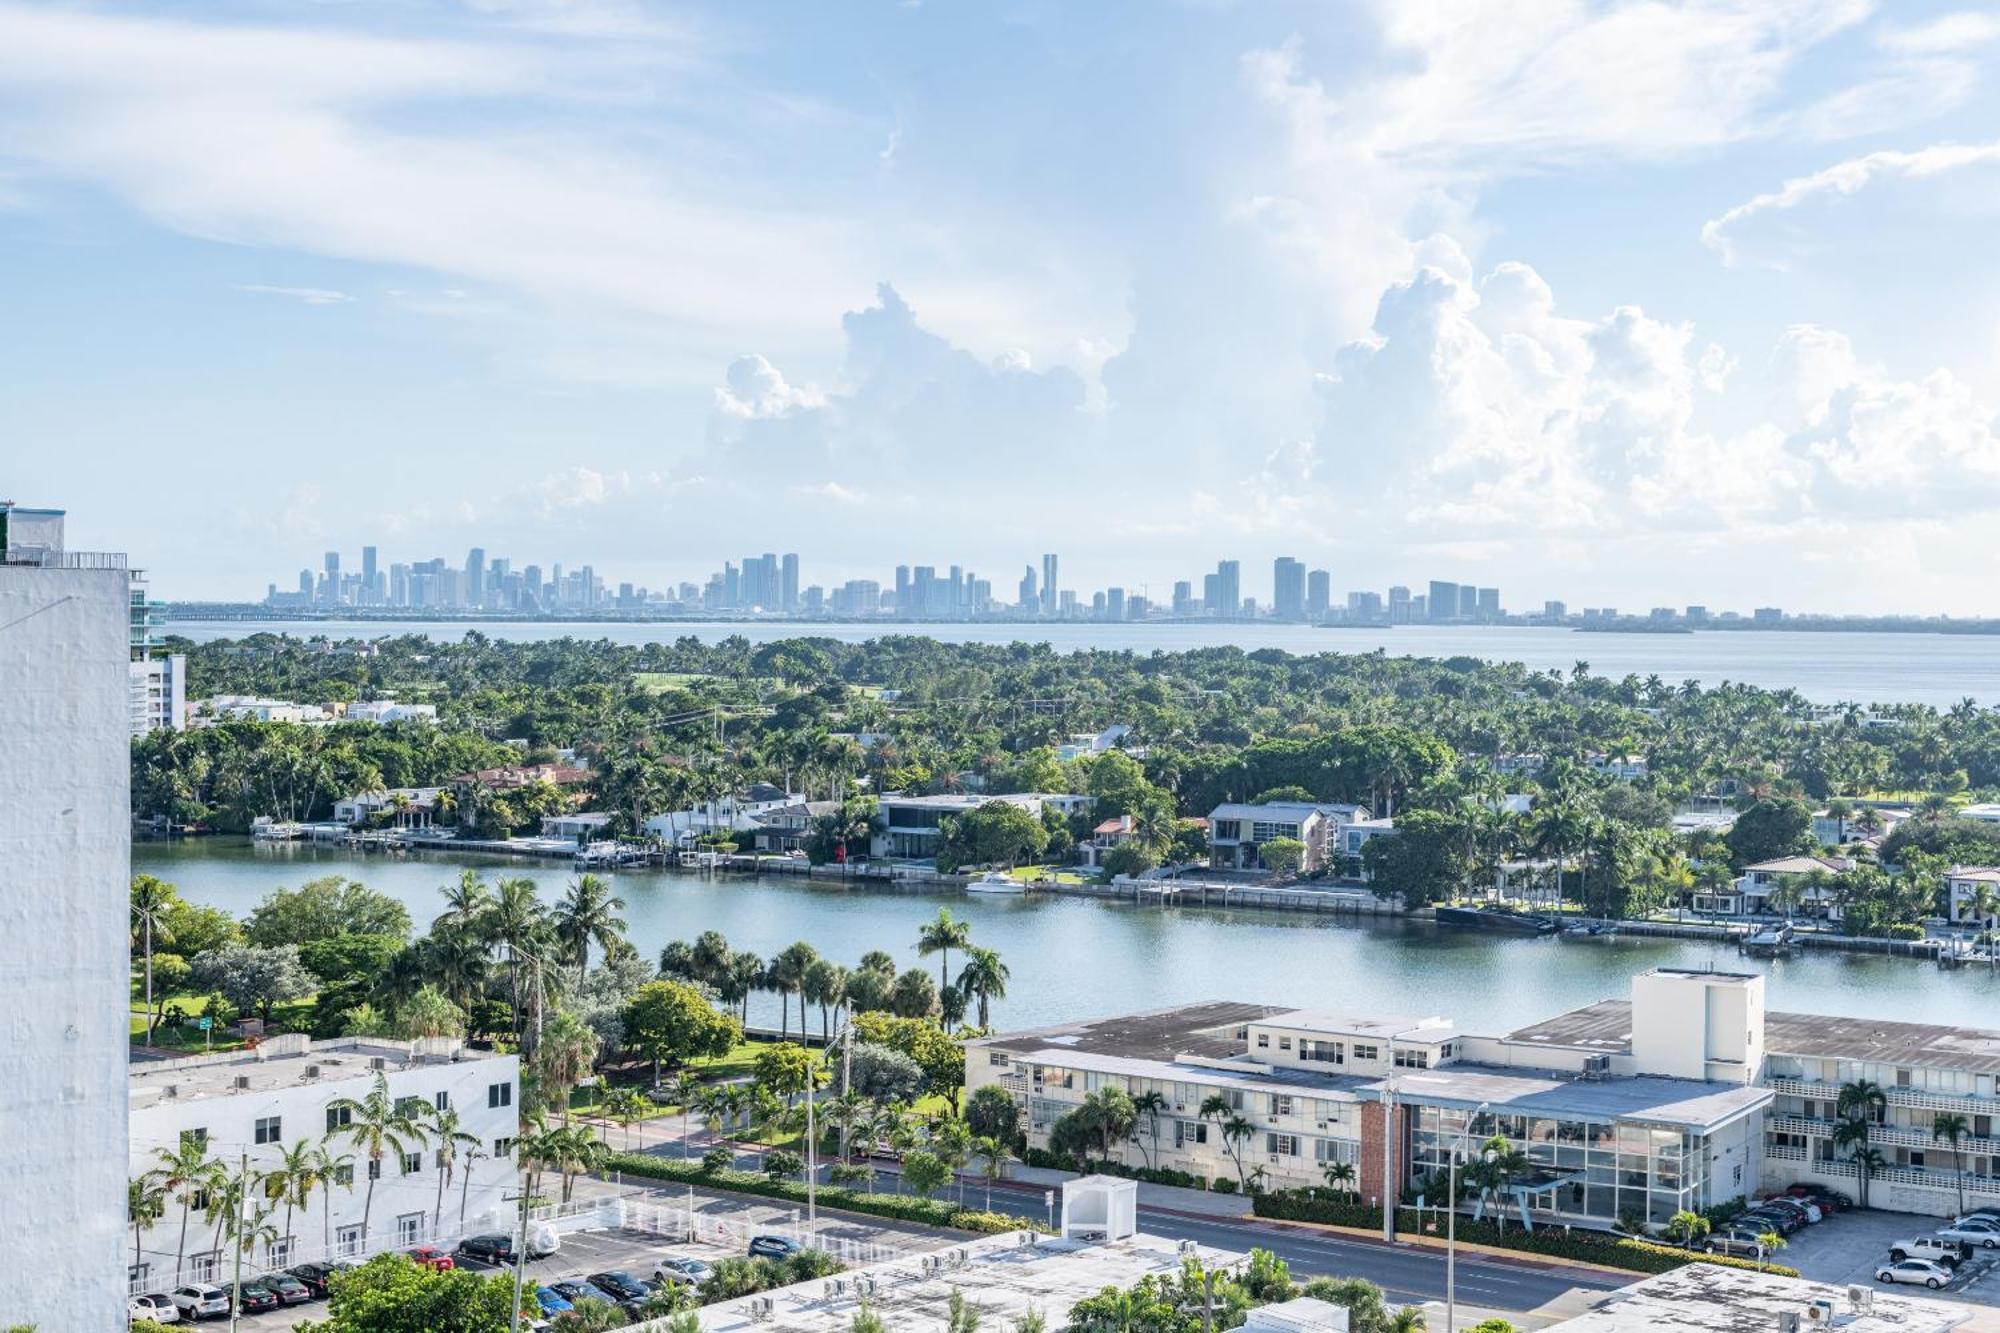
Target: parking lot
(1849, 1246)
(720, 1225)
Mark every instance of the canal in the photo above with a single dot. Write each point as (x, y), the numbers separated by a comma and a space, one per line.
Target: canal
(1077, 957)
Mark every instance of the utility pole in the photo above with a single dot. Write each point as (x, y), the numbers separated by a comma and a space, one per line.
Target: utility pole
(520, 1261)
(242, 1197)
(812, 1158)
(1389, 1183)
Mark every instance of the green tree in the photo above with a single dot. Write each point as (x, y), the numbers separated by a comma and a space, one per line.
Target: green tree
(390, 1294)
(983, 980)
(941, 936)
(1773, 827)
(671, 1023)
(1423, 861)
(252, 977)
(187, 1173)
(588, 912)
(323, 908)
(152, 899)
(1951, 1128)
(1282, 856)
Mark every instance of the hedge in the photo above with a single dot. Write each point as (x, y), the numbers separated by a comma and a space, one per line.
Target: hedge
(1154, 1175)
(1594, 1247)
(899, 1207)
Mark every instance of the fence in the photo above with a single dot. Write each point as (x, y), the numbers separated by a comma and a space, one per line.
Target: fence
(661, 1213)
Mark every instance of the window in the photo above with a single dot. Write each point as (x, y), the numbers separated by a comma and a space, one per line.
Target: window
(344, 1174)
(997, 1059)
(1281, 1105)
(281, 1252)
(1362, 1052)
(1263, 1039)
(409, 1229)
(347, 1241)
(197, 1138)
(1189, 1131)
(500, 1094)
(413, 1162)
(198, 1201)
(1261, 831)
(1228, 830)
(268, 1129)
(410, 1107)
(1281, 1145)
(1326, 1052)
(503, 1147)
(443, 1101)
(337, 1116)
(1284, 1043)
(1413, 1059)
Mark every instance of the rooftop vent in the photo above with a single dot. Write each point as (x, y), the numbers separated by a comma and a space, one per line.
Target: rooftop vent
(1597, 1066)
(312, 1072)
(242, 1082)
(377, 1063)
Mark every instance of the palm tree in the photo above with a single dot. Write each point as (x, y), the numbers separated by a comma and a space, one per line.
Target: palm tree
(327, 1168)
(994, 1154)
(515, 922)
(1687, 1227)
(152, 899)
(145, 1204)
(588, 911)
(187, 1172)
(788, 977)
(472, 1155)
(1340, 1176)
(1861, 1100)
(1236, 1131)
(466, 902)
(377, 1125)
(564, 1058)
(450, 1137)
(824, 984)
(941, 937)
(294, 1178)
(1868, 1161)
(1148, 1106)
(1951, 1127)
(1768, 1243)
(984, 979)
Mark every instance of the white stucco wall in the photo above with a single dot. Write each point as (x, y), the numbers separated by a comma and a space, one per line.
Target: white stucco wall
(65, 830)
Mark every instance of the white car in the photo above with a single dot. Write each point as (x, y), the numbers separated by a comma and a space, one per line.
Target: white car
(199, 1300)
(1972, 1231)
(1916, 1272)
(156, 1306)
(1934, 1248)
(680, 1271)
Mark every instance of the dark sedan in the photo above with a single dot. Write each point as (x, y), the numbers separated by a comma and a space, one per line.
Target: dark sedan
(288, 1289)
(773, 1247)
(492, 1251)
(256, 1298)
(314, 1276)
(621, 1285)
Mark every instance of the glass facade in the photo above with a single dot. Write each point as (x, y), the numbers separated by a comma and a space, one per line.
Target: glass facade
(1594, 1170)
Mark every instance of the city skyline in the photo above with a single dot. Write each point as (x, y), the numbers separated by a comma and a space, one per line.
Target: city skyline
(1668, 298)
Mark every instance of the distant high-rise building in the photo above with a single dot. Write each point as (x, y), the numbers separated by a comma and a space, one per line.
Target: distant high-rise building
(1364, 606)
(1555, 610)
(1184, 598)
(1319, 593)
(1400, 611)
(1468, 602)
(1696, 615)
(1767, 615)
(306, 584)
(368, 574)
(1051, 598)
(1228, 589)
(1288, 588)
(1029, 600)
(788, 583)
(1489, 603)
(475, 577)
(1442, 602)
(1114, 604)
(903, 604)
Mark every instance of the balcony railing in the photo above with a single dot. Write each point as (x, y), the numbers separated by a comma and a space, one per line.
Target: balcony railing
(1918, 1099)
(42, 558)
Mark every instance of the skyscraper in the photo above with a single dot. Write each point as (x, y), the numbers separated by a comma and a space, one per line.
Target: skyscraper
(1050, 597)
(903, 604)
(475, 577)
(1228, 601)
(788, 583)
(1399, 605)
(1442, 601)
(1183, 598)
(368, 575)
(1288, 588)
(1030, 600)
(1319, 593)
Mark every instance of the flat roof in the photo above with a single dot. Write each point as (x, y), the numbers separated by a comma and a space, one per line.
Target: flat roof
(1650, 1098)
(1207, 1030)
(999, 1276)
(1384, 1026)
(282, 1063)
(1706, 1298)
(1606, 1026)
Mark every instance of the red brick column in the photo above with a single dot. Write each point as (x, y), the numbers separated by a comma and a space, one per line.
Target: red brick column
(1369, 1173)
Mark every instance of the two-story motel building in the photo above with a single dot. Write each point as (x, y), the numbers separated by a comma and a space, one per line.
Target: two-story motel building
(1684, 1096)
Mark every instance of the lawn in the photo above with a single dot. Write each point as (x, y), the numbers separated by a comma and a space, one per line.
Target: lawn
(286, 1017)
(659, 682)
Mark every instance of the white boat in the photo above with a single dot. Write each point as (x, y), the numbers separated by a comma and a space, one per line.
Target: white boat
(995, 882)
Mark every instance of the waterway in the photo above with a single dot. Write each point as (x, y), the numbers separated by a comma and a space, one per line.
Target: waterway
(1826, 667)
(1078, 957)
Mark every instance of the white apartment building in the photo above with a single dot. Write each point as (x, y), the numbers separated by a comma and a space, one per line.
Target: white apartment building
(250, 708)
(1236, 830)
(258, 1104)
(1674, 1121)
(388, 710)
(1683, 1096)
(65, 829)
(158, 680)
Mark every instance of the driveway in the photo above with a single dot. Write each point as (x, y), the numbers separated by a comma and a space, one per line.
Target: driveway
(1847, 1248)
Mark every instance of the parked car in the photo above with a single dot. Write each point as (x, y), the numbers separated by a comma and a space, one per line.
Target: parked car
(288, 1289)
(489, 1251)
(576, 1289)
(253, 1297)
(156, 1306)
(1839, 1199)
(1973, 1231)
(773, 1247)
(314, 1276)
(1934, 1248)
(1784, 1221)
(622, 1285)
(1806, 1207)
(551, 1301)
(1734, 1240)
(1990, 1214)
(679, 1270)
(543, 1240)
(199, 1300)
(433, 1258)
(1918, 1272)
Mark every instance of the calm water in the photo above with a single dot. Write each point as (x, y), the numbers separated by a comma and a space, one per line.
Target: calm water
(1076, 958)
(1935, 669)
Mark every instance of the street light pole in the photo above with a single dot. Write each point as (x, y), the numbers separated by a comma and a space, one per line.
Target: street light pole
(1451, 1223)
(242, 1197)
(520, 1261)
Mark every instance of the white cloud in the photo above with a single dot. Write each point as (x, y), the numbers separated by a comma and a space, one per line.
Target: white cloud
(1845, 178)
(303, 295)
(1947, 34)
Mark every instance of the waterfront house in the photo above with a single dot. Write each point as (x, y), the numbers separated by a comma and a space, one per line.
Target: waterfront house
(913, 826)
(1799, 878)
(735, 815)
(388, 710)
(1623, 767)
(1236, 830)
(1093, 743)
(1964, 899)
(784, 830)
(401, 807)
(581, 827)
(251, 708)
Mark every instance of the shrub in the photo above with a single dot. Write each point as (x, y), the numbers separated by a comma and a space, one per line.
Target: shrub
(1223, 1185)
(987, 1224)
(782, 1165)
(717, 1159)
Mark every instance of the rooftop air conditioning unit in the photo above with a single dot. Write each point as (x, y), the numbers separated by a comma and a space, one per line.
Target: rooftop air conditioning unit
(1820, 1313)
(835, 1289)
(242, 1082)
(1596, 1066)
(312, 1072)
(1861, 1299)
(171, 1090)
(376, 1062)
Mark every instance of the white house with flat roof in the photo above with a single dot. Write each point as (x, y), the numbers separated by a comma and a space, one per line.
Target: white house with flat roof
(913, 826)
(259, 1104)
(1766, 887)
(1972, 896)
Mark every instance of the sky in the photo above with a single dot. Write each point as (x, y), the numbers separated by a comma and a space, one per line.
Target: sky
(1620, 303)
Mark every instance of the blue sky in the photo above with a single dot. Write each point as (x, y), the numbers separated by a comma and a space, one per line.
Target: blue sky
(1627, 303)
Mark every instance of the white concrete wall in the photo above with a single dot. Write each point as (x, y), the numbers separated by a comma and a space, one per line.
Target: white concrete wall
(65, 843)
(1698, 1025)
